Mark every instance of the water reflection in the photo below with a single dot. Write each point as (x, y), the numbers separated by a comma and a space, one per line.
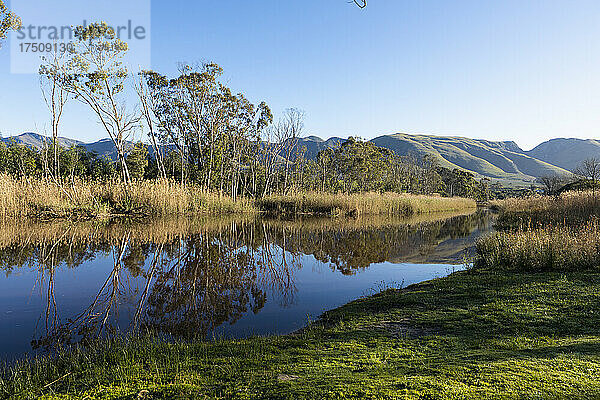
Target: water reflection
(189, 277)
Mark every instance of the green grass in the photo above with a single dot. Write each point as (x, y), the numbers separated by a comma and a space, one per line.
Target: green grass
(473, 335)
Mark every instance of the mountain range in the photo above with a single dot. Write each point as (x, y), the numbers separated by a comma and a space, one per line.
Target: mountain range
(504, 162)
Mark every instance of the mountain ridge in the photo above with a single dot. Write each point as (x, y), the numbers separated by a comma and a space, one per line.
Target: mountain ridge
(502, 161)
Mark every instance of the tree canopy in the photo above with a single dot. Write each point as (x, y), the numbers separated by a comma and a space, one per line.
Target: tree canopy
(8, 21)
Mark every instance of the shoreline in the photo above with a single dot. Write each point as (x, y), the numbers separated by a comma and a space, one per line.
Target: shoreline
(472, 334)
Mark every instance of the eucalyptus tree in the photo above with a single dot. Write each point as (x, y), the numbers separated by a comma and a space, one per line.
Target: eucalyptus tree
(8, 21)
(97, 78)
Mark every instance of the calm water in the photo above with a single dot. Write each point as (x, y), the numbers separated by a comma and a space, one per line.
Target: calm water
(64, 283)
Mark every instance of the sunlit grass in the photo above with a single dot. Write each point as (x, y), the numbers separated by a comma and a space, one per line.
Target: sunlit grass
(570, 208)
(558, 248)
(361, 204)
(45, 199)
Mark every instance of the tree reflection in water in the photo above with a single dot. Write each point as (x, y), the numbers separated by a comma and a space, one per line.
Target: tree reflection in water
(187, 278)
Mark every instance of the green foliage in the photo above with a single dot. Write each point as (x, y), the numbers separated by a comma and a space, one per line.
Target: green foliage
(137, 161)
(8, 21)
(356, 166)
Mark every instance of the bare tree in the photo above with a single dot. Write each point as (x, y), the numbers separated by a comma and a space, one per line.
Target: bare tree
(148, 106)
(52, 78)
(590, 169)
(288, 132)
(552, 184)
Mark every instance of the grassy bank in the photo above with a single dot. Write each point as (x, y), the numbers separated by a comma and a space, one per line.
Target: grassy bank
(471, 335)
(44, 199)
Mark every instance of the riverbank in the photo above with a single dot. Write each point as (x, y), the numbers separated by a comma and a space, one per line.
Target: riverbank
(474, 334)
(44, 200)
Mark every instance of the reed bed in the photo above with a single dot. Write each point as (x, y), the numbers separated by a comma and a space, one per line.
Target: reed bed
(568, 209)
(44, 199)
(556, 248)
(361, 204)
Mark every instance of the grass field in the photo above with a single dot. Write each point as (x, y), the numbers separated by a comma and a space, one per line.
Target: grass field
(471, 335)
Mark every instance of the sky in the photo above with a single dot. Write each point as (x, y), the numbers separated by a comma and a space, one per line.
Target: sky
(526, 71)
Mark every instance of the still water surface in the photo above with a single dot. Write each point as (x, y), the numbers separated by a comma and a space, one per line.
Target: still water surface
(69, 282)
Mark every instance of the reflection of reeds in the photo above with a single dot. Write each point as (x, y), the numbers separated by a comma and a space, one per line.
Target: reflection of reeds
(162, 230)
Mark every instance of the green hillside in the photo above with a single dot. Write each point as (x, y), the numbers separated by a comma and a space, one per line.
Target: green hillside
(501, 161)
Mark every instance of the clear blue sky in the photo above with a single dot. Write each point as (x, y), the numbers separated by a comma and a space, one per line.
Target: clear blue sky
(503, 70)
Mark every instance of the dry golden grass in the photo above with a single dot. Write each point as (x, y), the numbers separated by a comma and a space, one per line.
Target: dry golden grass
(361, 204)
(557, 248)
(44, 199)
(40, 198)
(570, 208)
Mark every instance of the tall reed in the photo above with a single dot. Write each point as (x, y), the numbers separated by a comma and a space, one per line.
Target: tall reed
(45, 199)
(552, 248)
(361, 204)
(40, 198)
(570, 208)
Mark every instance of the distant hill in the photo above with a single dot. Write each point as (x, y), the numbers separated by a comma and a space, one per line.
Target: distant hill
(566, 153)
(103, 147)
(315, 144)
(504, 162)
(35, 140)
